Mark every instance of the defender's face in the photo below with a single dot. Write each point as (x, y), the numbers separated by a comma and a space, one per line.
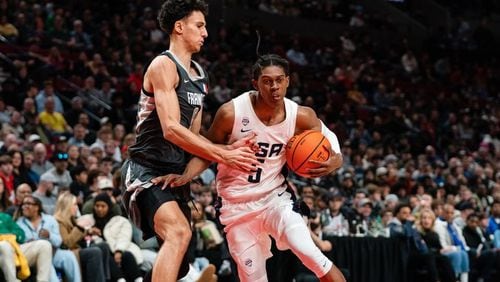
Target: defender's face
(272, 84)
(194, 30)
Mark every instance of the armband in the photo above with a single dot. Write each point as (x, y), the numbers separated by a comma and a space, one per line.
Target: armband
(332, 138)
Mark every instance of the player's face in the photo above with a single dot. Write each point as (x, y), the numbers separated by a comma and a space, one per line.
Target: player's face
(194, 30)
(272, 84)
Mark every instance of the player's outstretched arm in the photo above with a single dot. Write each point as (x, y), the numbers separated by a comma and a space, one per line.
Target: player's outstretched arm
(219, 132)
(160, 80)
(308, 120)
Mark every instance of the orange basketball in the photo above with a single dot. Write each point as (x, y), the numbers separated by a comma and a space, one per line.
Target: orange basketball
(309, 145)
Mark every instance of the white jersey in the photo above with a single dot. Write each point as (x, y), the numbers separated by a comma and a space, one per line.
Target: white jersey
(234, 186)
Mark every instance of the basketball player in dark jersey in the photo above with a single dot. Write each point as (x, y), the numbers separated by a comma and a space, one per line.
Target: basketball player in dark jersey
(168, 124)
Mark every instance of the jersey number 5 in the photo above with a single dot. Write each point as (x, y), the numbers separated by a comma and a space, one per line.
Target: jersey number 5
(255, 178)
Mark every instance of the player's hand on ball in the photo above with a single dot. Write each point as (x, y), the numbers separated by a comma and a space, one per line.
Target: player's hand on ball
(170, 180)
(326, 167)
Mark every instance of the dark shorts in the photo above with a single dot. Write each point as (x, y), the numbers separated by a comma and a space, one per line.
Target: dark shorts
(152, 197)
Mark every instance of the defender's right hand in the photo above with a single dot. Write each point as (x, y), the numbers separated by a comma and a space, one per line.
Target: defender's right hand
(242, 158)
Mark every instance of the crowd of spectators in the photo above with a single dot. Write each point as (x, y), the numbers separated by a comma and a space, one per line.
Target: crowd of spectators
(419, 131)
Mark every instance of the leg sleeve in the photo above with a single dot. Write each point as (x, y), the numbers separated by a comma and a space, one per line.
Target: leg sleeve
(290, 230)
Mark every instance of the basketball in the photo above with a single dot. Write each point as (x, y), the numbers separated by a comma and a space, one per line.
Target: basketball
(301, 148)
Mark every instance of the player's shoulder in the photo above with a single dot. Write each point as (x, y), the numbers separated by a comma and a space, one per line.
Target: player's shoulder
(305, 110)
(160, 62)
(306, 119)
(162, 68)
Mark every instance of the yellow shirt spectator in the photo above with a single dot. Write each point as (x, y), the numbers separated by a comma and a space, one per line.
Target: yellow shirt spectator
(53, 121)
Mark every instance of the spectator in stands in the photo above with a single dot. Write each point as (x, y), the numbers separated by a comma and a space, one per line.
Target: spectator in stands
(104, 135)
(40, 163)
(119, 132)
(59, 173)
(44, 192)
(14, 126)
(91, 95)
(117, 232)
(94, 260)
(60, 144)
(72, 115)
(333, 220)
(494, 223)
(79, 187)
(400, 226)
(222, 92)
(38, 225)
(453, 243)
(295, 55)
(20, 172)
(9, 142)
(369, 222)
(5, 202)
(425, 226)
(78, 138)
(391, 201)
(90, 134)
(6, 174)
(110, 149)
(74, 157)
(208, 243)
(107, 92)
(59, 34)
(41, 97)
(79, 39)
(28, 163)
(409, 63)
(466, 208)
(21, 192)
(38, 253)
(104, 185)
(483, 257)
(30, 115)
(386, 216)
(53, 121)
(7, 29)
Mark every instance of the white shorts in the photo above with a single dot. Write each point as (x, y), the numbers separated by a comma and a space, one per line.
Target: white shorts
(250, 244)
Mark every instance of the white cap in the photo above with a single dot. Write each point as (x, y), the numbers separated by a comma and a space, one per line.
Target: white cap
(105, 183)
(34, 137)
(391, 198)
(381, 171)
(48, 177)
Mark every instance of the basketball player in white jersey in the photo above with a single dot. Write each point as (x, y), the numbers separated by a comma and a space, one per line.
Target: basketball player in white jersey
(256, 205)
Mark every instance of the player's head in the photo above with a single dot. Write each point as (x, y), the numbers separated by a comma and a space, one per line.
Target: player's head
(271, 78)
(269, 60)
(174, 10)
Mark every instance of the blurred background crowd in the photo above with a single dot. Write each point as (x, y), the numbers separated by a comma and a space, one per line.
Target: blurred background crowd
(413, 99)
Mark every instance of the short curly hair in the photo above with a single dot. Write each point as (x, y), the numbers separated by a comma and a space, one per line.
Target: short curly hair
(269, 60)
(174, 10)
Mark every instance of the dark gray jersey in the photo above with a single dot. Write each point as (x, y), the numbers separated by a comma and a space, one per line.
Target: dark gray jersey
(151, 149)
